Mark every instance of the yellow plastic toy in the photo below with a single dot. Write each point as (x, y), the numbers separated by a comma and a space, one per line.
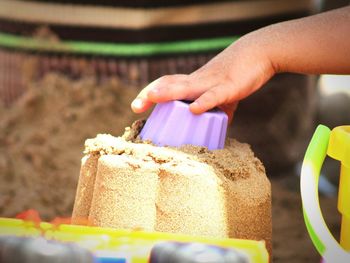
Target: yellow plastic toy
(336, 144)
(132, 246)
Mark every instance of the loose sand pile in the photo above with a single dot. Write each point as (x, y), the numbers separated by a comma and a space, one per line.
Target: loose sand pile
(41, 139)
(187, 190)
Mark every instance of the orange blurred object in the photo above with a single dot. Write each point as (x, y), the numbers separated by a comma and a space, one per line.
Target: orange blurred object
(61, 220)
(30, 215)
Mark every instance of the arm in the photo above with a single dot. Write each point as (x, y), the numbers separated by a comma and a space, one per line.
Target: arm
(312, 45)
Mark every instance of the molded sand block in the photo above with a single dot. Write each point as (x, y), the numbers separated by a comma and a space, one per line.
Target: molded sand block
(249, 212)
(125, 193)
(86, 185)
(189, 201)
(190, 190)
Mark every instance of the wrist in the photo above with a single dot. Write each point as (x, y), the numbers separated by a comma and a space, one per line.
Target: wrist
(253, 55)
(262, 44)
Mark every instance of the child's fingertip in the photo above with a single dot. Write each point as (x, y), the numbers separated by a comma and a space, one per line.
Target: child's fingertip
(195, 107)
(137, 104)
(135, 110)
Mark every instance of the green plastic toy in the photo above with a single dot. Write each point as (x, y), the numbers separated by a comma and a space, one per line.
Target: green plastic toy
(336, 144)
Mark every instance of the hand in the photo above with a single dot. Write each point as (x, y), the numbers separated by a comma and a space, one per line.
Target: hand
(313, 45)
(231, 76)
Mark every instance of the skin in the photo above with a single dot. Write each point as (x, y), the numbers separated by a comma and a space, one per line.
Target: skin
(313, 45)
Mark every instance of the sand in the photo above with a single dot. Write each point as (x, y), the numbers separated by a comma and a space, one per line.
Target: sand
(26, 156)
(291, 241)
(188, 190)
(42, 137)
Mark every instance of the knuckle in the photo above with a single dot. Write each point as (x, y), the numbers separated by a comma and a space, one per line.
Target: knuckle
(166, 79)
(162, 81)
(226, 95)
(210, 95)
(208, 99)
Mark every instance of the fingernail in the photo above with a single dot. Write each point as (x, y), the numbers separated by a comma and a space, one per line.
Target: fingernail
(137, 103)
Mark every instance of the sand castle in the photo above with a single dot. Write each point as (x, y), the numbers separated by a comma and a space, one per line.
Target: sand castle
(127, 183)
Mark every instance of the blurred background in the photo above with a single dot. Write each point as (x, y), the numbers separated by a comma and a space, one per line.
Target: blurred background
(69, 70)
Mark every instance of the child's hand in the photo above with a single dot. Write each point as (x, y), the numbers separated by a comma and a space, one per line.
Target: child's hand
(231, 76)
(316, 44)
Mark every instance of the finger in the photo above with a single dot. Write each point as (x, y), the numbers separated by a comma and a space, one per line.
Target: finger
(171, 88)
(180, 90)
(140, 105)
(179, 87)
(143, 101)
(210, 99)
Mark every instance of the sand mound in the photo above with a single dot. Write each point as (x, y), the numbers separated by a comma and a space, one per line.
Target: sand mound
(41, 139)
(188, 190)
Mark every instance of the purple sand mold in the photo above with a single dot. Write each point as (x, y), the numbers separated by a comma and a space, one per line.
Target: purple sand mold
(173, 124)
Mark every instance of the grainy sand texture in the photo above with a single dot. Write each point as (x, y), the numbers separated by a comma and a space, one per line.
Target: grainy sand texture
(42, 141)
(189, 190)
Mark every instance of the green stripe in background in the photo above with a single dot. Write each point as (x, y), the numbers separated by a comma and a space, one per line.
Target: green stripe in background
(120, 49)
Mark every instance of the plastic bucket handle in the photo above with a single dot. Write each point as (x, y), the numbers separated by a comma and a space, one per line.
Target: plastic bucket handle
(321, 237)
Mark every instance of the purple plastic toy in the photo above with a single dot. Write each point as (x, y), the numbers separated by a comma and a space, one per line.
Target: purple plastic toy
(173, 124)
